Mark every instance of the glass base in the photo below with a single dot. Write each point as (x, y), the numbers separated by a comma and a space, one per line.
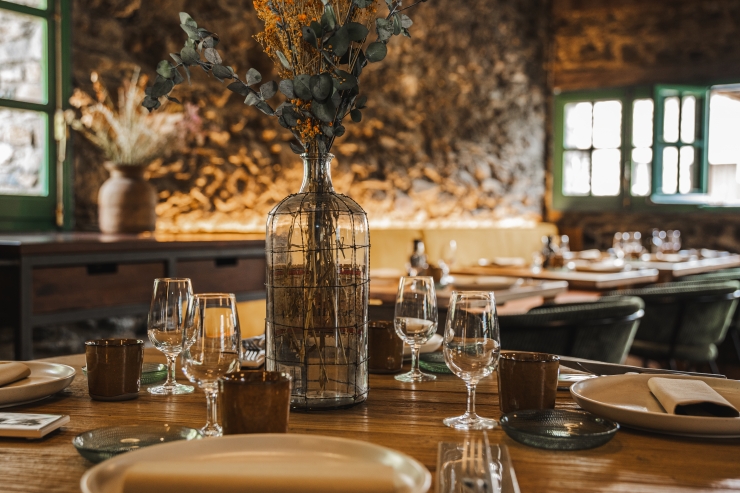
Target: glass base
(415, 377)
(176, 389)
(212, 431)
(468, 422)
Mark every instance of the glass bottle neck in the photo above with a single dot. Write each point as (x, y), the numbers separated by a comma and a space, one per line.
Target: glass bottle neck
(317, 173)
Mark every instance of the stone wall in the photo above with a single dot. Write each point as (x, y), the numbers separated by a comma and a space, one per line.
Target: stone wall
(607, 43)
(458, 133)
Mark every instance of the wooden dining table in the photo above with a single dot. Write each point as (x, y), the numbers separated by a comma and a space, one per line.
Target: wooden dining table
(402, 416)
(576, 279)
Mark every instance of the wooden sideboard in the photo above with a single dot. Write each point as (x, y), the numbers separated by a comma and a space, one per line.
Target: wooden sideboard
(65, 277)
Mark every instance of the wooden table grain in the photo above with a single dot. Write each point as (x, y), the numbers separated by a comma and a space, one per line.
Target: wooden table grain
(406, 417)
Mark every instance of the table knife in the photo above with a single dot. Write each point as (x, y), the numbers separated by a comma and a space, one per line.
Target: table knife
(601, 368)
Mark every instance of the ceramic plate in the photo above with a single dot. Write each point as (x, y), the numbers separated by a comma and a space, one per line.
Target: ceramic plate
(45, 379)
(285, 448)
(483, 283)
(428, 347)
(600, 267)
(628, 400)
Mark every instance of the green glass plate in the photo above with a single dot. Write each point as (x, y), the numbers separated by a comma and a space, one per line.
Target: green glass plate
(103, 443)
(558, 429)
(150, 373)
(434, 362)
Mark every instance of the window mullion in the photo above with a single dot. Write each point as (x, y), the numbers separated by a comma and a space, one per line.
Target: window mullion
(24, 9)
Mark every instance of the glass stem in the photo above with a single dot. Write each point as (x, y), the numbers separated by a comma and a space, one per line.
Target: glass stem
(471, 399)
(171, 363)
(415, 350)
(211, 408)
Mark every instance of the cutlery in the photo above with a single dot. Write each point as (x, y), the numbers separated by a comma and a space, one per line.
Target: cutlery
(601, 368)
(476, 477)
(252, 359)
(254, 343)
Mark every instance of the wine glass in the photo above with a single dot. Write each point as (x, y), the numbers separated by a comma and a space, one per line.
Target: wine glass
(471, 349)
(416, 320)
(165, 325)
(211, 348)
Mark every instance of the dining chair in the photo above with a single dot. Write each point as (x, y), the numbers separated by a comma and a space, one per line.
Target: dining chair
(684, 320)
(600, 330)
(724, 275)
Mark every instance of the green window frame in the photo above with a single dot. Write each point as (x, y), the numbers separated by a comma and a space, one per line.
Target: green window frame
(51, 209)
(561, 201)
(656, 200)
(698, 143)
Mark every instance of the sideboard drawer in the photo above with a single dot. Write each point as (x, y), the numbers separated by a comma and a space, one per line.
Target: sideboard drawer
(224, 275)
(93, 285)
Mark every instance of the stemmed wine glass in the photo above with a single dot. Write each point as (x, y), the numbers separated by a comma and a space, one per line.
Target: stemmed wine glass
(165, 325)
(471, 349)
(416, 320)
(211, 348)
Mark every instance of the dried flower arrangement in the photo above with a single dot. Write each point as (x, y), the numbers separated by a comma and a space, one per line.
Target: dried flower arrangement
(319, 48)
(126, 133)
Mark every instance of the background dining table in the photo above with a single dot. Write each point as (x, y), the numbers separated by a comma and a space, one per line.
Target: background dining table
(402, 416)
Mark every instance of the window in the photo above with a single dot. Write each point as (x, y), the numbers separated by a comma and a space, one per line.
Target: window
(34, 84)
(635, 148)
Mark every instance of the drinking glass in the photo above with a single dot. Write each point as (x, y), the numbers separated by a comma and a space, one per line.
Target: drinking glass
(211, 348)
(471, 349)
(165, 325)
(416, 320)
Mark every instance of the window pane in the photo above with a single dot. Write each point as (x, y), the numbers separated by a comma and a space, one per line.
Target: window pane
(22, 57)
(670, 170)
(642, 123)
(670, 122)
(607, 124)
(688, 119)
(685, 182)
(578, 126)
(640, 179)
(724, 122)
(605, 172)
(22, 152)
(576, 173)
(39, 4)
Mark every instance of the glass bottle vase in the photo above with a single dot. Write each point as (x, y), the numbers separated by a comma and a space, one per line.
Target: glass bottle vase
(318, 252)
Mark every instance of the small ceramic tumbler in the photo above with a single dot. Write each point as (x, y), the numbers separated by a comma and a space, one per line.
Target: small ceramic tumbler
(114, 368)
(527, 380)
(254, 402)
(384, 347)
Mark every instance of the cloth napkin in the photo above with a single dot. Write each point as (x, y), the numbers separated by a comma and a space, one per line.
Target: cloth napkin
(259, 476)
(690, 398)
(13, 371)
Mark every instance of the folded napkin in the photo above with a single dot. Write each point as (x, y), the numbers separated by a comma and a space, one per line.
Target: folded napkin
(12, 371)
(690, 398)
(259, 476)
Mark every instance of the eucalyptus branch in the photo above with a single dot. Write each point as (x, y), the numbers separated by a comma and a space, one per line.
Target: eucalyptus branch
(316, 103)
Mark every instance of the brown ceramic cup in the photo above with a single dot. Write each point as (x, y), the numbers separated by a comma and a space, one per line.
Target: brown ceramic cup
(254, 402)
(114, 368)
(527, 380)
(384, 347)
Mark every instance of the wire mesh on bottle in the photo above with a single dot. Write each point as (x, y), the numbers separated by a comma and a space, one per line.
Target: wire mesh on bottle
(317, 294)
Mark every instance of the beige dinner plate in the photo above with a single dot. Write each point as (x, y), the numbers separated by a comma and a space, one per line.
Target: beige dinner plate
(45, 379)
(413, 477)
(628, 400)
(600, 267)
(483, 283)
